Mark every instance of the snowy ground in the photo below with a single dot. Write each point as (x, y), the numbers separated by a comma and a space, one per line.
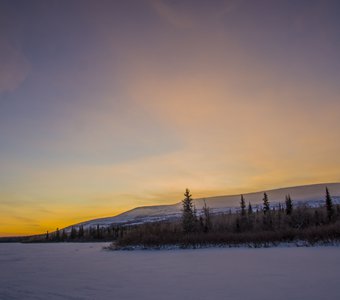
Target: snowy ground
(85, 271)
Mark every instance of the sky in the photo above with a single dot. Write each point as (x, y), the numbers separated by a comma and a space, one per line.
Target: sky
(110, 105)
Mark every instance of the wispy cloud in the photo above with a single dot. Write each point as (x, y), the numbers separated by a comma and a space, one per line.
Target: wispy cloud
(14, 67)
(190, 14)
(169, 13)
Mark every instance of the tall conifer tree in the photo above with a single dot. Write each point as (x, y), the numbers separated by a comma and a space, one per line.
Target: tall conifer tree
(289, 205)
(329, 205)
(266, 206)
(188, 213)
(243, 206)
(250, 209)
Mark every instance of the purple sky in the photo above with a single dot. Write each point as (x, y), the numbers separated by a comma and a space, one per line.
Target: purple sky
(108, 105)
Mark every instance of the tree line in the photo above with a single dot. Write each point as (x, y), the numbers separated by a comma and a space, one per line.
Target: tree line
(80, 234)
(268, 225)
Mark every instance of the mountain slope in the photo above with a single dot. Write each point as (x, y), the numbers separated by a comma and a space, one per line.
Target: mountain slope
(312, 195)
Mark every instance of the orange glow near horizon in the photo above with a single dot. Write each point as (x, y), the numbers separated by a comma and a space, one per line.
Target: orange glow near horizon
(139, 101)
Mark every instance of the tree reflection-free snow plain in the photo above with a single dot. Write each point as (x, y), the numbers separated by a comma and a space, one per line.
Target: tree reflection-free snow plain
(86, 271)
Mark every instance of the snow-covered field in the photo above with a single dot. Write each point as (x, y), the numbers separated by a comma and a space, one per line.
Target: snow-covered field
(85, 271)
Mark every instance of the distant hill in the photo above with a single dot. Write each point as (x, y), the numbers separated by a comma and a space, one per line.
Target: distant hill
(311, 195)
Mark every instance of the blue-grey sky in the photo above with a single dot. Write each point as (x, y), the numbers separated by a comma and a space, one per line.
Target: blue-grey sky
(108, 105)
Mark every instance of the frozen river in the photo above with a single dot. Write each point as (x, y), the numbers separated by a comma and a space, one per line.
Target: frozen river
(85, 271)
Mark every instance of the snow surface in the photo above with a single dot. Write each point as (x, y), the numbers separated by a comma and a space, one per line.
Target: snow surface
(86, 271)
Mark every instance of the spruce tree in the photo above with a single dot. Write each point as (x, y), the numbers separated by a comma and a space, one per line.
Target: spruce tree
(98, 232)
(73, 233)
(63, 235)
(207, 219)
(57, 235)
(329, 205)
(201, 223)
(289, 205)
(188, 214)
(81, 232)
(250, 219)
(237, 225)
(243, 206)
(266, 207)
(250, 209)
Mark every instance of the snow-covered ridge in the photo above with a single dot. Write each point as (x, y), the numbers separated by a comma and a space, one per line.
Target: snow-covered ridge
(310, 195)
